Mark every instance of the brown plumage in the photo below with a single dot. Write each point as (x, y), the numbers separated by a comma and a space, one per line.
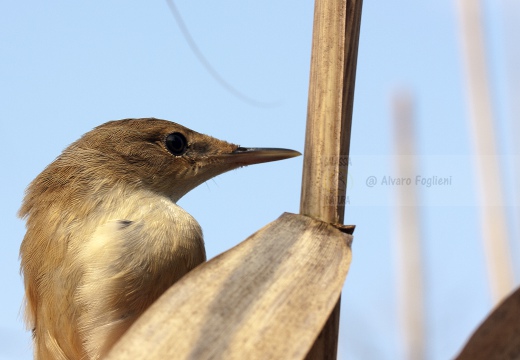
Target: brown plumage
(105, 237)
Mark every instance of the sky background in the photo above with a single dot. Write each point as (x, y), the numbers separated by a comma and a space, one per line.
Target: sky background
(66, 67)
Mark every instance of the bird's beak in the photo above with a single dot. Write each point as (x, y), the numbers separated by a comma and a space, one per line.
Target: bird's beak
(248, 156)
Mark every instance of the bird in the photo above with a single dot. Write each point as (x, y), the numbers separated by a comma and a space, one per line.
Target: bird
(105, 236)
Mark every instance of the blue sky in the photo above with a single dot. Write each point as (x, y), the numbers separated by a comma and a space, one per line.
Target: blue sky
(66, 67)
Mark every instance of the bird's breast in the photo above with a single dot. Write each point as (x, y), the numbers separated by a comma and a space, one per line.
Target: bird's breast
(136, 251)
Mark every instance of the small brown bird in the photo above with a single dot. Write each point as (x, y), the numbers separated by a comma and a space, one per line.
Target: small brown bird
(105, 237)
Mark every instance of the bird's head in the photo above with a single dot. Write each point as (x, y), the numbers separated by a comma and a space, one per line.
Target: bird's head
(158, 155)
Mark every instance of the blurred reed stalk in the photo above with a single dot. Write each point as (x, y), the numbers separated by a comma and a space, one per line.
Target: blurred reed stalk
(409, 255)
(493, 216)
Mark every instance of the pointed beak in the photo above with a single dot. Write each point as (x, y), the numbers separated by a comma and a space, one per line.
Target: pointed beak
(247, 156)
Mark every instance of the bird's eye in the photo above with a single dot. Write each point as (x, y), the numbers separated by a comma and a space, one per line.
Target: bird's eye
(176, 143)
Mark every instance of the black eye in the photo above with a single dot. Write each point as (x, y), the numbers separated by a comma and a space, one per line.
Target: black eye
(176, 143)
